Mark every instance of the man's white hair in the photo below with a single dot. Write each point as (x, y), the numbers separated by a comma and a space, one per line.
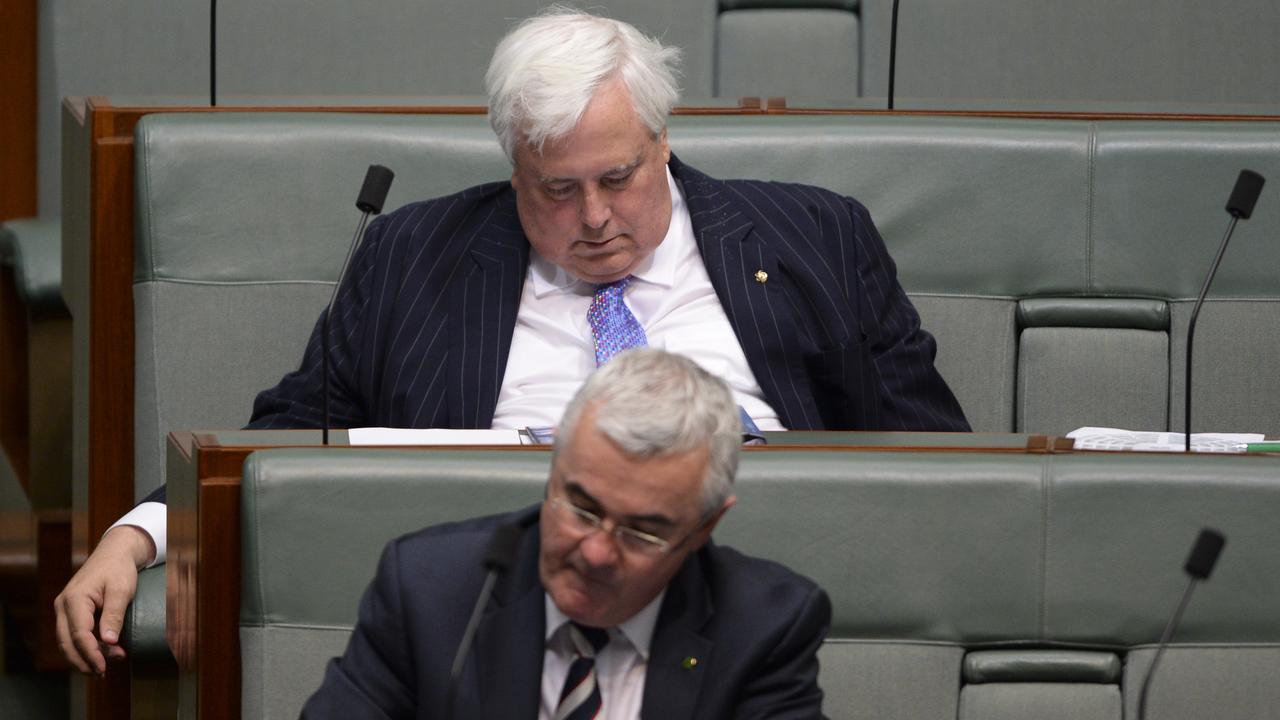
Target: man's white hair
(652, 403)
(545, 72)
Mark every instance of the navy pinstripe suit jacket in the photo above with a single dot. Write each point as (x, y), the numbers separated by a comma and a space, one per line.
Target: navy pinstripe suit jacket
(423, 323)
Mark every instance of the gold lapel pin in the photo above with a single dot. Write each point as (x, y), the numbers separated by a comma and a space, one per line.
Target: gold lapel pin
(762, 277)
(689, 663)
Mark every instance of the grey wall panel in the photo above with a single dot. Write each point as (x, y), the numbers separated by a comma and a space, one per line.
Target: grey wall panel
(303, 47)
(1086, 50)
(796, 53)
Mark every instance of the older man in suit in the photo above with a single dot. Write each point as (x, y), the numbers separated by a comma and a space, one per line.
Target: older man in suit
(481, 309)
(618, 604)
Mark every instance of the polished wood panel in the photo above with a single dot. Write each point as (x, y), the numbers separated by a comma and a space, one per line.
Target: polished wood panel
(14, 427)
(108, 427)
(18, 41)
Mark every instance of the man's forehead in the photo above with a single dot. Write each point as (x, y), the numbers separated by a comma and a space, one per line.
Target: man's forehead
(552, 167)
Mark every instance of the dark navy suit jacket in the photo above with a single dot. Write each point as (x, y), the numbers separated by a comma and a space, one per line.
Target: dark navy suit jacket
(753, 626)
(423, 323)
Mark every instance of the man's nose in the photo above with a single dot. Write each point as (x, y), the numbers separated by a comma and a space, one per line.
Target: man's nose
(599, 548)
(596, 209)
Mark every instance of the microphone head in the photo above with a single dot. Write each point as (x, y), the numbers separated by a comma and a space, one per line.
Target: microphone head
(377, 182)
(1205, 553)
(500, 554)
(1245, 194)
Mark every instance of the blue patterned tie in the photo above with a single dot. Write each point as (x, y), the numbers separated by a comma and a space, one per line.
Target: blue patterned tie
(614, 327)
(580, 699)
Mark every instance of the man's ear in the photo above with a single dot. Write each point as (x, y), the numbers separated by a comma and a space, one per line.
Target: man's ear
(714, 519)
(666, 149)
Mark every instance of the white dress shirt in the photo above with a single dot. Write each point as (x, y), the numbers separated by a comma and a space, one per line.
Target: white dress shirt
(620, 665)
(553, 350)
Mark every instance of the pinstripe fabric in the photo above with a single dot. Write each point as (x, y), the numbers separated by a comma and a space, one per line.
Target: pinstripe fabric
(423, 322)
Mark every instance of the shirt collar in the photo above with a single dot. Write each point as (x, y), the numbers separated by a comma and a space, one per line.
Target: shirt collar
(638, 629)
(658, 269)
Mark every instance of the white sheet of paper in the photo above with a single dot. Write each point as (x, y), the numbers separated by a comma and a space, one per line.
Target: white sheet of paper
(432, 436)
(1103, 438)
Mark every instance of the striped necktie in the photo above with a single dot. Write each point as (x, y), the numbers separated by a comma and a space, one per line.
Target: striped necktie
(614, 327)
(580, 698)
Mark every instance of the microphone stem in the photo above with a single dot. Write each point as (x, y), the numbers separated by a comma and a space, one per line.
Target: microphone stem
(1195, 314)
(1165, 637)
(893, 50)
(213, 53)
(328, 315)
(468, 636)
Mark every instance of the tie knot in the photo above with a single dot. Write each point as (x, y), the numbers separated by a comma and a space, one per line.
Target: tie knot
(613, 289)
(588, 640)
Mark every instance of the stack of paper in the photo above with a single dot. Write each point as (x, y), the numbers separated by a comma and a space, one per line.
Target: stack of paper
(1101, 438)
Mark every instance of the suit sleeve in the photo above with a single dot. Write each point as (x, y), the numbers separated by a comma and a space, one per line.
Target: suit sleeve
(374, 677)
(786, 684)
(297, 401)
(911, 394)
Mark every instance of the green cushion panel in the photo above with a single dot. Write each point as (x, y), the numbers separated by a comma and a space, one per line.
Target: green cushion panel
(1137, 313)
(33, 248)
(846, 5)
(969, 570)
(1120, 527)
(144, 622)
(1158, 201)
(1070, 377)
(1016, 225)
(287, 215)
(1041, 665)
(280, 667)
(977, 354)
(297, 569)
(189, 333)
(866, 680)
(795, 53)
(1205, 681)
(1236, 381)
(1043, 701)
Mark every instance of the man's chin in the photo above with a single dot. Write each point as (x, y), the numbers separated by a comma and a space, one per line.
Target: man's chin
(582, 603)
(599, 273)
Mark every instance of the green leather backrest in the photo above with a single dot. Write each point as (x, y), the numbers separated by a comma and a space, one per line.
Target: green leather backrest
(1053, 260)
(926, 557)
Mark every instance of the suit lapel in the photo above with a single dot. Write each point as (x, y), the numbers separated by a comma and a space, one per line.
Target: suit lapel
(506, 664)
(748, 279)
(484, 300)
(679, 652)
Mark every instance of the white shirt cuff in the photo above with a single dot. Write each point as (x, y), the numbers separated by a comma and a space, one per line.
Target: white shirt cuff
(151, 518)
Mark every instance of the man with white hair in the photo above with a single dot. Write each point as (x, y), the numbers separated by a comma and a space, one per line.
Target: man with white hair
(617, 603)
(490, 307)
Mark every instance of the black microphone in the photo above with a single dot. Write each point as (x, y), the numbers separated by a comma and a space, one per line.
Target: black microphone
(499, 556)
(1199, 565)
(373, 193)
(1243, 197)
(213, 53)
(893, 50)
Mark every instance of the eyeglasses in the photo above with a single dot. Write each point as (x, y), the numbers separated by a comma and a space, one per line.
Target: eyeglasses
(628, 538)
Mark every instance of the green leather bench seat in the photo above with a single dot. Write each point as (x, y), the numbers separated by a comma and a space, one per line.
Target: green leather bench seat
(964, 585)
(1055, 261)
